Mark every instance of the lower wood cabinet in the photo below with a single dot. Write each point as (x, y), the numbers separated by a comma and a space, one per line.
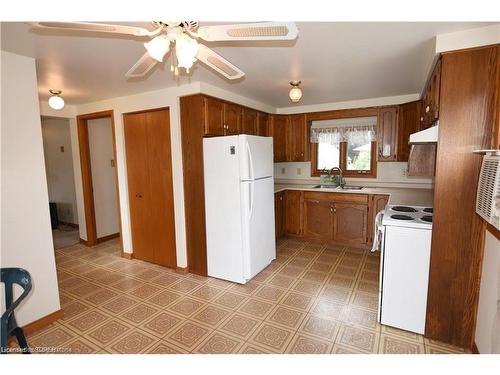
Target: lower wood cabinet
(279, 210)
(318, 219)
(350, 223)
(293, 212)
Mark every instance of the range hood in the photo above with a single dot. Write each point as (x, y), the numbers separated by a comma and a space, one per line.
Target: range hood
(429, 135)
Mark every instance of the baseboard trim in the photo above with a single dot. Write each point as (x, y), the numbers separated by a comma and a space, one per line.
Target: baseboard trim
(182, 270)
(84, 242)
(475, 350)
(127, 255)
(108, 237)
(38, 324)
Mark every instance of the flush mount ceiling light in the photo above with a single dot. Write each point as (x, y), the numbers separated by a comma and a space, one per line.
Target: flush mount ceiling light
(295, 92)
(55, 101)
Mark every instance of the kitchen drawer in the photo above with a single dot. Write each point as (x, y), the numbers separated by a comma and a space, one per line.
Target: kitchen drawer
(337, 197)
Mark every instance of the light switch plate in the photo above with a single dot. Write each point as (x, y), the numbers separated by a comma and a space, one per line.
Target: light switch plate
(283, 170)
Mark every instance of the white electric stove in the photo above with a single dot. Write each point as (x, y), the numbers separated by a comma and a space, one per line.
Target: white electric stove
(406, 233)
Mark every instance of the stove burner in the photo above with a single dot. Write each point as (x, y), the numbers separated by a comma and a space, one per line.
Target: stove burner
(427, 218)
(401, 217)
(428, 210)
(403, 209)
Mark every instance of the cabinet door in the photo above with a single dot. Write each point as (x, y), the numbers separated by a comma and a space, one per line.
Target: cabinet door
(318, 219)
(232, 118)
(279, 125)
(297, 143)
(262, 124)
(214, 119)
(278, 214)
(377, 204)
(293, 212)
(430, 98)
(249, 124)
(408, 123)
(350, 223)
(387, 133)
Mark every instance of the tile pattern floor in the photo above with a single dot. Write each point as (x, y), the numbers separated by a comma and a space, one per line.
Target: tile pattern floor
(313, 298)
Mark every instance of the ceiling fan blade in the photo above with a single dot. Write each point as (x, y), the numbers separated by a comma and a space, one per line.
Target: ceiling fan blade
(249, 31)
(218, 63)
(142, 66)
(93, 27)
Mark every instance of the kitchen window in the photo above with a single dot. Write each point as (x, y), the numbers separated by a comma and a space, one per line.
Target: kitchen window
(345, 143)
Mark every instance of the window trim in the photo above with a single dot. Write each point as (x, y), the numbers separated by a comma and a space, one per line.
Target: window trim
(372, 173)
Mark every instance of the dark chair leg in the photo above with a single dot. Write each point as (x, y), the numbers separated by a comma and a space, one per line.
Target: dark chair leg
(21, 339)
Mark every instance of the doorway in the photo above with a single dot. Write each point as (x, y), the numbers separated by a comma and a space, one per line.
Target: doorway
(96, 138)
(150, 186)
(60, 174)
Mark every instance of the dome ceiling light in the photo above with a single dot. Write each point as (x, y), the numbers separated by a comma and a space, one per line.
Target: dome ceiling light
(56, 101)
(295, 92)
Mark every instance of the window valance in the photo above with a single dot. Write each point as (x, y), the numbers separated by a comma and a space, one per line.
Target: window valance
(358, 130)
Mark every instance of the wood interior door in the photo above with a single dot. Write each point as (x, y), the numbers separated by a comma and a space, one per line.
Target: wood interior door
(318, 219)
(149, 172)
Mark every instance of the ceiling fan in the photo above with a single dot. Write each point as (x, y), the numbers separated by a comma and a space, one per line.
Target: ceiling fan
(183, 37)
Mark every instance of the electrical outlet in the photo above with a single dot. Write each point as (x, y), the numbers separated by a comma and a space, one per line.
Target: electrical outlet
(404, 172)
(299, 171)
(283, 170)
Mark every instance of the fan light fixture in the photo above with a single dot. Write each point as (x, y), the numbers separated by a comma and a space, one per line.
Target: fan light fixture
(56, 101)
(186, 49)
(158, 47)
(295, 92)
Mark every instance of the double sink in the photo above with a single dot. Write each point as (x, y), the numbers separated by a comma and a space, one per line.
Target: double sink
(345, 187)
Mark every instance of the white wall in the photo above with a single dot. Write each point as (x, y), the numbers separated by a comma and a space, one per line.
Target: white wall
(59, 167)
(103, 176)
(488, 312)
(26, 239)
(389, 174)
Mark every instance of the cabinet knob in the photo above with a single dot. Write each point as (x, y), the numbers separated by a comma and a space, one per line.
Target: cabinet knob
(138, 195)
(427, 109)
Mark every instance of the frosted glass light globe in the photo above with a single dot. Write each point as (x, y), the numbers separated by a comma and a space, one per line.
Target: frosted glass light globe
(56, 102)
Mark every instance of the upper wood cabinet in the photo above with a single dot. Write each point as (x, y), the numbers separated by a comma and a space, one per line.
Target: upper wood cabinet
(297, 141)
(278, 130)
(387, 133)
(431, 98)
(232, 119)
(408, 123)
(293, 212)
(213, 110)
(249, 121)
(262, 124)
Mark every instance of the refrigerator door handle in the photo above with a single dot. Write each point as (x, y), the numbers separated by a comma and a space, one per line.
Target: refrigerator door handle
(251, 198)
(250, 161)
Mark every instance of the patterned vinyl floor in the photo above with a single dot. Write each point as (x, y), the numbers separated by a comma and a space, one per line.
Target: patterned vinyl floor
(313, 298)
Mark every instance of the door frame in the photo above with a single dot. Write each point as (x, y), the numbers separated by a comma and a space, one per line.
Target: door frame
(87, 186)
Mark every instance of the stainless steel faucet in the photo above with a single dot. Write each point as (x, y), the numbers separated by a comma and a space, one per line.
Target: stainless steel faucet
(341, 180)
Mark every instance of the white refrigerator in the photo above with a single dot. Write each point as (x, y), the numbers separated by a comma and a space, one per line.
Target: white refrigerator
(239, 206)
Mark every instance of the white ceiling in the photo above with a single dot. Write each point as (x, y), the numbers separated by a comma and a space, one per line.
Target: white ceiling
(335, 61)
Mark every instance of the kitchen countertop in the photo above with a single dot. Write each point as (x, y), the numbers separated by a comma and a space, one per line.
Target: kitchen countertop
(402, 196)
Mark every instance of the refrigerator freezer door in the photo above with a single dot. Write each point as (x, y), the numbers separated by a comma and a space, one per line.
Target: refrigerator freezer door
(405, 278)
(257, 202)
(223, 209)
(256, 157)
